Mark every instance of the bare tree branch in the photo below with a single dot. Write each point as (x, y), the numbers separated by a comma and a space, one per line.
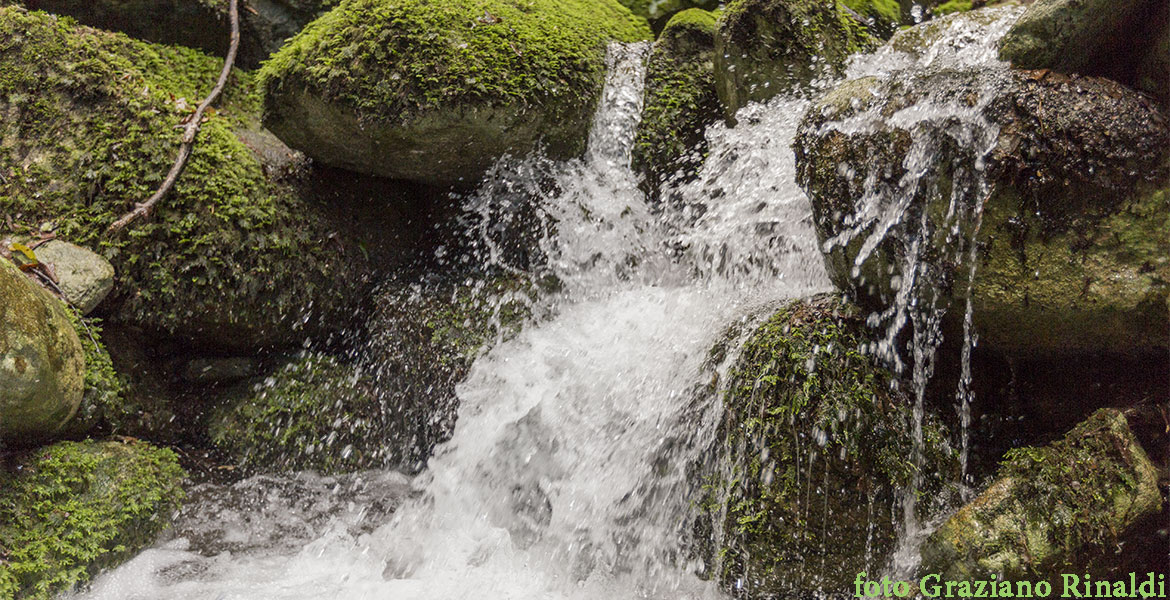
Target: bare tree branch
(143, 209)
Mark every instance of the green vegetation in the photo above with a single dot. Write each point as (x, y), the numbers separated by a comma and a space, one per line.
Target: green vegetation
(767, 47)
(74, 508)
(229, 257)
(1057, 509)
(883, 16)
(680, 99)
(102, 401)
(807, 412)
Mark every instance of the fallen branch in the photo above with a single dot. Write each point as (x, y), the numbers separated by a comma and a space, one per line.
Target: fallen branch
(143, 209)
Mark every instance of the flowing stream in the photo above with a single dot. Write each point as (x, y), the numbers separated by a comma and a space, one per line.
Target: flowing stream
(567, 476)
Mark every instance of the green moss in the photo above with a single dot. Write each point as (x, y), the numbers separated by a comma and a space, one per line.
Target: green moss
(680, 99)
(312, 413)
(768, 47)
(385, 59)
(1061, 508)
(228, 256)
(74, 508)
(952, 6)
(102, 402)
(807, 410)
(883, 16)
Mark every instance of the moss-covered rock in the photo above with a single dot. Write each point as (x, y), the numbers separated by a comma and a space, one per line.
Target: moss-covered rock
(1057, 509)
(768, 47)
(680, 99)
(74, 508)
(230, 258)
(42, 366)
(201, 24)
(660, 12)
(313, 412)
(436, 91)
(1072, 250)
(1125, 40)
(816, 446)
(882, 16)
(103, 407)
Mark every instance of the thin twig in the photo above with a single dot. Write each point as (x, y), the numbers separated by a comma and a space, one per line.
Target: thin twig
(143, 209)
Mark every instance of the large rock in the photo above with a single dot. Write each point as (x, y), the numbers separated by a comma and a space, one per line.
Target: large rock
(85, 278)
(231, 258)
(69, 510)
(1061, 508)
(1125, 40)
(203, 24)
(813, 428)
(680, 100)
(436, 91)
(1072, 250)
(768, 47)
(41, 361)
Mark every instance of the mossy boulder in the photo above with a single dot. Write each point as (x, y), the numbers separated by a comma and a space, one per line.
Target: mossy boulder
(817, 443)
(313, 412)
(1072, 252)
(660, 12)
(680, 100)
(230, 258)
(201, 24)
(768, 47)
(436, 91)
(42, 365)
(1125, 40)
(72, 509)
(1060, 508)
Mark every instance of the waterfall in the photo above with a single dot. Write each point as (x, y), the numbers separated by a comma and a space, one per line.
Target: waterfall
(567, 473)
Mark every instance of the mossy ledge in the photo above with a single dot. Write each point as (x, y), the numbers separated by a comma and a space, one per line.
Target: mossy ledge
(229, 257)
(806, 409)
(437, 90)
(71, 509)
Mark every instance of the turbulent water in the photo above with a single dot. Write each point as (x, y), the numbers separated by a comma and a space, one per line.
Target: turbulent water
(567, 473)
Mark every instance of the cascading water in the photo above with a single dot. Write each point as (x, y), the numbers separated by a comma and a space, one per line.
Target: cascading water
(567, 474)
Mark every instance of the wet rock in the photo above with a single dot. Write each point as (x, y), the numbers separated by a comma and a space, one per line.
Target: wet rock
(219, 370)
(72, 509)
(41, 361)
(816, 444)
(85, 278)
(680, 100)
(1071, 250)
(231, 260)
(264, 24)
(767, 47)
(1124, 40)
(313, 412)
(437, 92)
(1061, 508)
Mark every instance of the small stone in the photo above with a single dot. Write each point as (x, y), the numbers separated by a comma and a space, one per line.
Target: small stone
(85, 278)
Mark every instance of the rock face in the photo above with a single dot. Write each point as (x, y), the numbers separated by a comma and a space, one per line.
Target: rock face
(437, 91)
(812, 428)
(766, 47)
(74, 508)
(680, 99)
(202, 24)
(41, 361)
(1072, 252)
(85, 278)
(231, 258)
(1057, 509)
(1124, 40)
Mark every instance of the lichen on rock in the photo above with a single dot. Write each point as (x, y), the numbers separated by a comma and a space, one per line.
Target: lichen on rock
(814, 427)
(436, 91)
(71, 509)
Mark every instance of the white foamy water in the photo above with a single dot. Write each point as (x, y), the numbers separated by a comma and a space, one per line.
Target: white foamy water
(567, 475)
